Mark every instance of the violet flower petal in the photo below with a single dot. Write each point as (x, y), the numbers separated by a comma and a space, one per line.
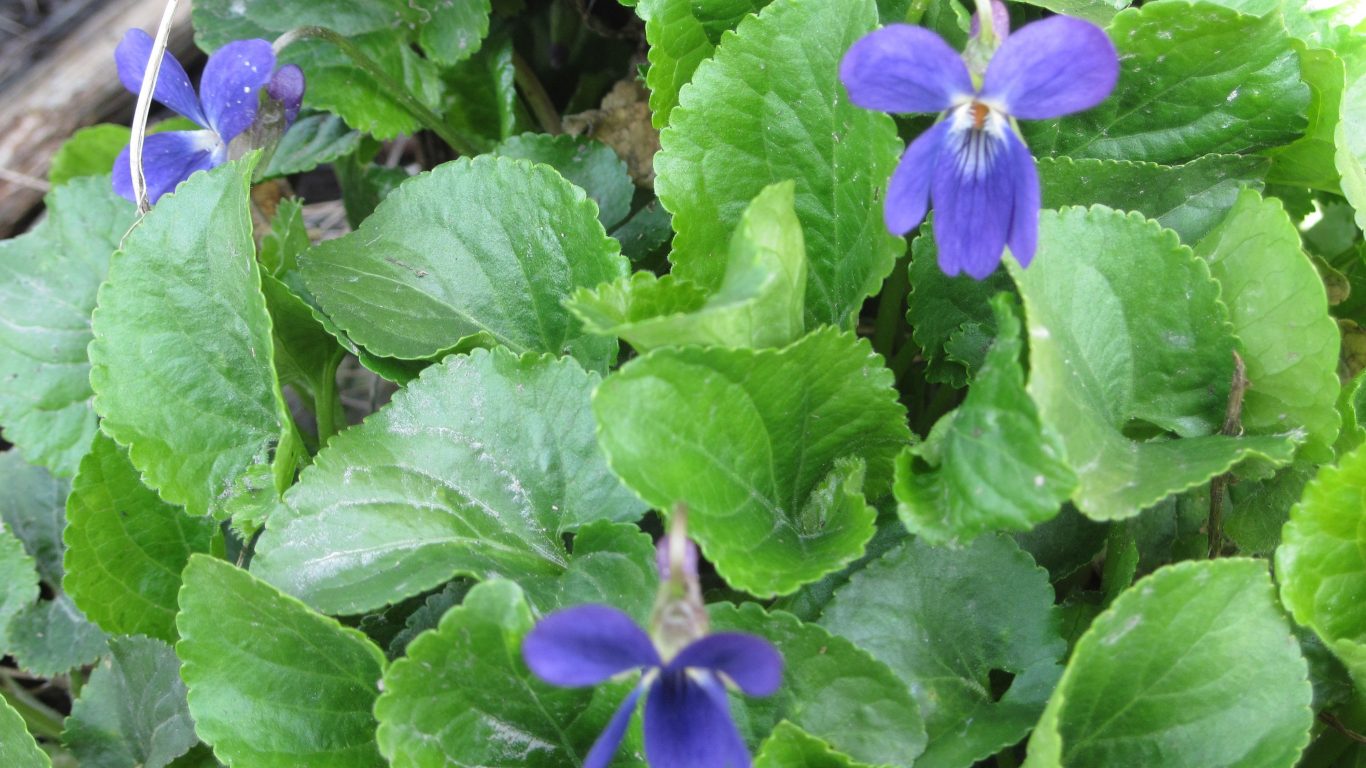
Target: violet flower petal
(686, 726)
(973, 190)
(232, 77)
(609, 741)
(173, 86)
(287, 87)
(1051, 68)
(1024, 219)
(168, 159)
(751, 661)
(586, 645)
(908, 193)
(901, 68)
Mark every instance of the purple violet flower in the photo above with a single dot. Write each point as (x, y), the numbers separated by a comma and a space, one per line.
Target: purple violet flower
(225, 107)
(687, 715)
(973, 162)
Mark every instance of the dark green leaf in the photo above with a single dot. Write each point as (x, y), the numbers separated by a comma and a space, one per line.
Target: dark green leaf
(1195, 79)
(17, 747)
(944, 620)
(48, 281)
(312, 141)
(132, 712)
(1191, 199)
(33, 508)
(50, 637)
(588, 164)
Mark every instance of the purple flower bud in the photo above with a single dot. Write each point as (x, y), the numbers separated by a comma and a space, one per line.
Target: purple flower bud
(287, 87)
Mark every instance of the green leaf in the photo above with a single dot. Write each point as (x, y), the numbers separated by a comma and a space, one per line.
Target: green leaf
(1128, 340)
(1258, 509)
(417, 280)
(482, 99)
(613, 563)
(182, 315)
(1350, 138)
(990, 464)
(718, 16)
(125, 547)
(463, 696)
(586, 163)
(287, 238)
(91, 151)
(1320, 562)
(452, 32)
(488, 459)
(1310, 160)
(1279, 310)
(132, 712)
(33, 508)
(18, 583)
(769, 107)
(1191, 199)
(1065, 544)
(51, 637)
(48, 280)
(1098, 11)
(832, 690)
(768, 448)
(306, 354)
(679, 42)
(17, 747)
(791, 747)
(1195, 79)
(646, 233)
(944, 310)
(944, 620)
(758, 304)
(300, 693)
(312, 141)
(1194, 663)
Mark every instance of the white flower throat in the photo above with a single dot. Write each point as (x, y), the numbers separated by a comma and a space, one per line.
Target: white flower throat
(976, 135)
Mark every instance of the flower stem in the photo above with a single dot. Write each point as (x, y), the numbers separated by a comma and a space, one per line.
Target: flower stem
(536, 96)
(393, 88)
(325, 400)
(144, 107)
(41, 719)
(917, 11)
(889, 307)
(1232, 427)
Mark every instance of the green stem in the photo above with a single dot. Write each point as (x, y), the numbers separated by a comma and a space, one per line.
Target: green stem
(889, 308)
(325, 402)
(393, 88)
(917, 11)
(41, 719)
(536, 95)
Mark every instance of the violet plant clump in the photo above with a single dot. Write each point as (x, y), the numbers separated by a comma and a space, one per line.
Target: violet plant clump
(973, 163)
(225, 106)
(994, 369)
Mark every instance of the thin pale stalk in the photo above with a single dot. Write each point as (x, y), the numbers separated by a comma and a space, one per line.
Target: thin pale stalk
(149, 86)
